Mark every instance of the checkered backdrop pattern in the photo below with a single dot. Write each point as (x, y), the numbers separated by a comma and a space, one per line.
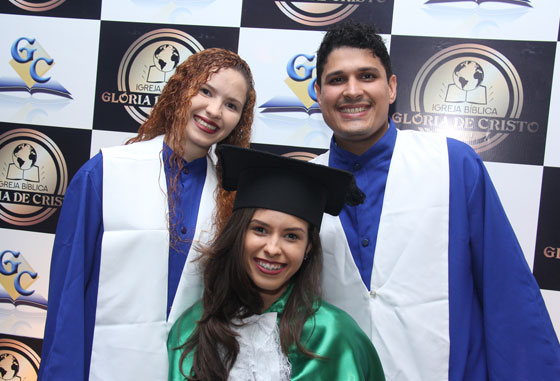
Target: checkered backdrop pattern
(79, 75)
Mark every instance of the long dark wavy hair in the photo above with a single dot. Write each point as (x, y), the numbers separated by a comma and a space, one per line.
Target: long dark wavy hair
(229, 293)
(170, 115)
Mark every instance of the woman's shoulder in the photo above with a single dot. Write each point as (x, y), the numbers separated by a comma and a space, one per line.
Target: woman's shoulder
(185, 324)
(137, 150)
(340, 326)
(89, 176)
(347, 352)
(328, 312)
(191, 315)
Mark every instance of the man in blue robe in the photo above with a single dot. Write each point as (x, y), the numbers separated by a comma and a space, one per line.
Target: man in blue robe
(429, 265)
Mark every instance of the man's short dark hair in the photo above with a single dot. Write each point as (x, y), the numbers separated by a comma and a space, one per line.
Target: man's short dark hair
(354, 35)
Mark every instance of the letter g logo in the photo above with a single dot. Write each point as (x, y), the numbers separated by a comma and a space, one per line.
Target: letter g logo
(25, 54)
(291, 68)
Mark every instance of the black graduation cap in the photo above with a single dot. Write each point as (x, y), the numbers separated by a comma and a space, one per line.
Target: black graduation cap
(264, 180)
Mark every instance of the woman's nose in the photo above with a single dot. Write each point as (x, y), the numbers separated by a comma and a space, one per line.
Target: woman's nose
(272, 246)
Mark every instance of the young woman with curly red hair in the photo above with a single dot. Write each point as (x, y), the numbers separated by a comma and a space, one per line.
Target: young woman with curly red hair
(122, 269)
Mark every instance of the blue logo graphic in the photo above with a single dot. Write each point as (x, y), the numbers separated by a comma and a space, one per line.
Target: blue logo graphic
(524, 3)
(301, 80)
(31, 62)
(16, 277)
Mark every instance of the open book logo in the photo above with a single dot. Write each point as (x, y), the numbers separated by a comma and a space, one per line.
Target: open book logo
(16, 276)
(470, 92)
(146, 67)
(301, 78)
(467, 85)
(524, 3)
(32, 64)
(33, 177)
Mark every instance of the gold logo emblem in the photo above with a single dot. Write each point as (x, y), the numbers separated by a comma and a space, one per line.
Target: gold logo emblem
(319, 12)
(37, 6)
(33, 177)
(18, 361)
(470, 92)
(146, 67)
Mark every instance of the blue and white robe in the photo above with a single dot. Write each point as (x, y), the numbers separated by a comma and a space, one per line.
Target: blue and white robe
(110, 309)
(431, 269)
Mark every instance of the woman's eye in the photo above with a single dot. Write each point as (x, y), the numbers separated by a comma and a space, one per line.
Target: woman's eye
(292, 236)
(205, 91)
(258, 229)
(232, 106)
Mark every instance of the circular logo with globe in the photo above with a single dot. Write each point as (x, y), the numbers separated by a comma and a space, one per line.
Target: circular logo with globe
(9, 366)
(307, 13)
(18, 361)
(148, 64)
(468, 75)
(24, 156)
(33, 177)
(37, 5)
(466, 91)
(166, 57)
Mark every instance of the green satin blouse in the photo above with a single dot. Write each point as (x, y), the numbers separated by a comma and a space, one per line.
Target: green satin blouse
(330, 333)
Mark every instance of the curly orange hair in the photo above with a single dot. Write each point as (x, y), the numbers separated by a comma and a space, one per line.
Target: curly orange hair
(171, 112)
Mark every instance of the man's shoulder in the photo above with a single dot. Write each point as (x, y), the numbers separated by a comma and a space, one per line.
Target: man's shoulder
(464, 158)
(457, 149)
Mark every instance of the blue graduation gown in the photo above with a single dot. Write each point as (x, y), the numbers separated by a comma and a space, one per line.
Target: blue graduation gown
(499, 327)
(75, 265)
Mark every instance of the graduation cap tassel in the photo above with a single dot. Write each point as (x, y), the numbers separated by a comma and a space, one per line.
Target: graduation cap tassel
(354, 195)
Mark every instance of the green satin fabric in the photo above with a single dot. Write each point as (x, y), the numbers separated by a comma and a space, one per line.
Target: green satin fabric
(330, 333)
(180, 332)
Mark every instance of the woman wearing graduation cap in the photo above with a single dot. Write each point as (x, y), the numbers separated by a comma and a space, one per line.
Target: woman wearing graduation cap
(261, 316)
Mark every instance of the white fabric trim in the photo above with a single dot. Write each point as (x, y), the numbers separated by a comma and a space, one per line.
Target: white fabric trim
(131, 325)
(409, 300)
(260, 355)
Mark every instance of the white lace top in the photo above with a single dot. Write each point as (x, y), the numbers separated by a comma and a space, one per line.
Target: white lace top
(260, 355)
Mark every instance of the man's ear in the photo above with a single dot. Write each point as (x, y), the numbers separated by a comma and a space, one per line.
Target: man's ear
(392, 89)
(318, 92)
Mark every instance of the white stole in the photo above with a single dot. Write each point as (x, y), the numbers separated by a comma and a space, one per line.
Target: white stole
(131, 324)
(408, 314)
